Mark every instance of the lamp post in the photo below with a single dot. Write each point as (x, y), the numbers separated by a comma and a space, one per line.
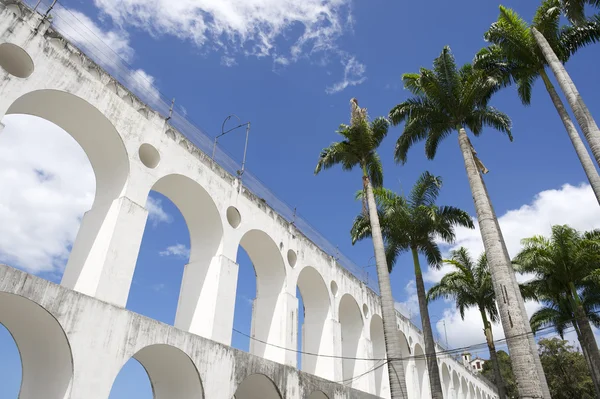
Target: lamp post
(223, 132)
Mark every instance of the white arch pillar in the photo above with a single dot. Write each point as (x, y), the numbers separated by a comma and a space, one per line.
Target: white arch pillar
(207, 299)
(105, 251)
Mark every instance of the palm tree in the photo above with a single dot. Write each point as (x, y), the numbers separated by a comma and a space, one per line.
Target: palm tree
(574, 10)
(471, 285)
(562, 265)
(556, 49)
(515, 57)
(413, 224)
(449, 99)
(359, 148)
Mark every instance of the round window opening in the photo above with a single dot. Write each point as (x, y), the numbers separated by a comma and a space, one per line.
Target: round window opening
(334, 288)
(15, 60)
(149, 155)
(233, 217)
(365, 310)
(292, 257)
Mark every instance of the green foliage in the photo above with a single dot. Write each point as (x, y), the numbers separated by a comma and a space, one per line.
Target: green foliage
(470, 285)
(506, 372)
(566, 370)
(574, 10)
(446, 99)
(514, 56)
(359, 146)
(414, 221)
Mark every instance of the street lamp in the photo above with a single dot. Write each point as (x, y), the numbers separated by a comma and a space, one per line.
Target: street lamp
(223, 132)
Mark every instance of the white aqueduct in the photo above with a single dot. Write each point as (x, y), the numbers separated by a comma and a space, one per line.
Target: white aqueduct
(74, 338)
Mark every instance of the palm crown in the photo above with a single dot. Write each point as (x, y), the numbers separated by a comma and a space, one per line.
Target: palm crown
(514, 55)
(470, 285)
(446, 99)
(414, 221)
(575, 9)
(359, 146)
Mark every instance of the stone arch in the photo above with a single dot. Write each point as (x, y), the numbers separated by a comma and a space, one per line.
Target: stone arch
(317, 395)
(464, 389)
(446, 381)
(378, 341)
(479, 394)
(47, 364)
(455, 385)
(351, 324)
(316, 330)
(269, 309)
(408, 362)
(420, 370)
(471, 394)
(205, 228)
(92, 130)
(108, 157)
(15, 60)
(171, 372)
(257, 386)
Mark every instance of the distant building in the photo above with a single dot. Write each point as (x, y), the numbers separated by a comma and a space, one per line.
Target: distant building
(475, 365)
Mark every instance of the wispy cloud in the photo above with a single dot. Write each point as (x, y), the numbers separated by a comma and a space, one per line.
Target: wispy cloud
(177, 250)
(410, 307)
(228, 61)
(354, 74)
(156, 213)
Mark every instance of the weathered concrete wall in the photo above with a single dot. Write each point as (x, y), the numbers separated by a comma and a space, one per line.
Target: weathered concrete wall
(133, 150)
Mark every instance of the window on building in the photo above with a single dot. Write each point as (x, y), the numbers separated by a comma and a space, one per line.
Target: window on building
(478, 365)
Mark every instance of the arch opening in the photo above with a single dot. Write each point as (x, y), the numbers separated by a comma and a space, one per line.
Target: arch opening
(47, 365)
(257, 386)
(420, 370)
(382, 386)
(10, 365)
(15, 60)
(471, 391)
(171, 372)
(351, 324)
(269, 307)
(446, 381)
(186, 244)
(317, 395)
(455, 386)
(464, 388)
(314, 331)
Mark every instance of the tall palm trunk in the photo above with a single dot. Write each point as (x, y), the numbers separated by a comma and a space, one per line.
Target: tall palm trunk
(432, 365)
(584, 157)
(586, 355)
(582, 114)
(388, 310)
(489, 337)
(588, 340)
(510, 303)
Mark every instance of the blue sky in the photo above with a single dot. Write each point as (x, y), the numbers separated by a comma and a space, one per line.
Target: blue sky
(291, 72)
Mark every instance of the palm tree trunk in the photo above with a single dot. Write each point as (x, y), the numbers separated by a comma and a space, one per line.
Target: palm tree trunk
(582, 114)
(586, 355)
(582, 153)
(432, 365)
(588, 340)
(390, 328)
(489, 337)
(510, 303)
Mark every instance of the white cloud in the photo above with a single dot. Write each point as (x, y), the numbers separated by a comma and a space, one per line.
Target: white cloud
(228, 61)
(177, 250)
(286, 30)
(572, 205)
(108, 48)
(156, 213)
(410, 307)
(354, 74)
(47, 185)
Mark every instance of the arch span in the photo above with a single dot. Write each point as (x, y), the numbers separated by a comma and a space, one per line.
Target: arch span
(317, 395)
(446, 381)
(351, 324)
(420, 370)
(464, 389)
(455, 385)
(316, 331)
(43, 346)
(90, 128)
(171, 372)
(270, 307)
(257, 386)
(379, 352)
